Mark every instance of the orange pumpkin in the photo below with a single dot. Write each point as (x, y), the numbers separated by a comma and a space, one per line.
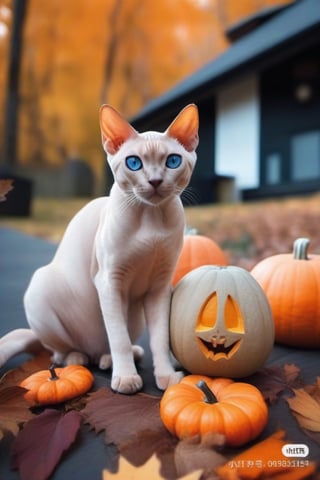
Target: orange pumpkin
(197, 250)
(199, 405)
(291, 283)
(57, 385)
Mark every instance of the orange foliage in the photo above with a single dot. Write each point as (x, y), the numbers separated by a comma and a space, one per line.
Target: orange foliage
(67, 46)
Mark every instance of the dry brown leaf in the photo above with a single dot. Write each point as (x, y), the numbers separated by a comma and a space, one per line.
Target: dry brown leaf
(5, 187)
(306, 408)
(122, 416)
(197, 453)
(143, 444)
(14, 410)
(149, 470)
(13, 377)
(273, 380)
(39, 446)
(314, 390)
(132, 423)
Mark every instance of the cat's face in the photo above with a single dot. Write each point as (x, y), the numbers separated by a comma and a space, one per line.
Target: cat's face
(151, 167)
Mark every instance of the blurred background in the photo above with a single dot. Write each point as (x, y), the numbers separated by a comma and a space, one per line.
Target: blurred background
(251, 66)
(61, 60)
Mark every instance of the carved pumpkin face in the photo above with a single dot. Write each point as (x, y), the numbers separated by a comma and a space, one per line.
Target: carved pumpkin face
(220, 327)
(220, 322)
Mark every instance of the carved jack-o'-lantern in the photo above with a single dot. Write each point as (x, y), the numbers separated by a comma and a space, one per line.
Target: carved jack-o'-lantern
(220, 322)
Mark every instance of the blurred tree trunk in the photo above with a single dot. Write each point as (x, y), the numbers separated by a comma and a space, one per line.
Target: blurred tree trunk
(12, 101)
(110, 58)
(111, 50)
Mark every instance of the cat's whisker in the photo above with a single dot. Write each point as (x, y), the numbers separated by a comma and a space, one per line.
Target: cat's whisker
(128, 200)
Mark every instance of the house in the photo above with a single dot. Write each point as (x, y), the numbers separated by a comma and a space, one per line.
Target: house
(259, 107)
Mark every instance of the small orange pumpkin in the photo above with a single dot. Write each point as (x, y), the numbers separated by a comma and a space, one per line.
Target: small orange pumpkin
(197, 250)
(291, 283)
(199, 405)
(57, 385)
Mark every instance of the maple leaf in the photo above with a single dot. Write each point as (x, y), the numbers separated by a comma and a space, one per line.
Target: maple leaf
(15, 376)
(273, 380)
(314, 390)
(142, 445)
(39, 446)
(5, 187)
(305, 406)
(14, 410)
(150, 470)
(199, 453)
(133, 424)
(122, 416)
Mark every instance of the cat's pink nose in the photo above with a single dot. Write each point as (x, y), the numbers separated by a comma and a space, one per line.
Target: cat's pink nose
(155, 183)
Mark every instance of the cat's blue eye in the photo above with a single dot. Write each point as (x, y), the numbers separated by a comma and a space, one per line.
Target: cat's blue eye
(174, 160)
(134, 163)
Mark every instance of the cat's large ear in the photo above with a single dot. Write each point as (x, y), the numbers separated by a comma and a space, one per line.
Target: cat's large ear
(115, 130)
(184, 127)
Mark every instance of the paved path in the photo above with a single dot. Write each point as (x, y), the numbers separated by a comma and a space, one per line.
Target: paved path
(20, 255)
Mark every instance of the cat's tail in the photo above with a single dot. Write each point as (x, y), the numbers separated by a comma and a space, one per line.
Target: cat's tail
(18, 341)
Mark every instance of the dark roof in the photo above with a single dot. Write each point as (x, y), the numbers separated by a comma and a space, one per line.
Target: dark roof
(250, 23)
(265, 43)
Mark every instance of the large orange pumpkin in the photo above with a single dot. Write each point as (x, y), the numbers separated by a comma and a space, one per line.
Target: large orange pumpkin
(197, 250)
(292, 285)
(199, 405)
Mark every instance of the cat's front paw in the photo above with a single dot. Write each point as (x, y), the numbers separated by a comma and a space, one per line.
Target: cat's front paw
(127, 384)
(164, 381)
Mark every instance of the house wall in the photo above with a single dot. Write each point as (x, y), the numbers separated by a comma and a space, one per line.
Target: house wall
(290, 127)
(238, 132)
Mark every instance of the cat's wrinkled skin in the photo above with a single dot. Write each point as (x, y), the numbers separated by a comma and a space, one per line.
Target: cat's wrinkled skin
(112, 271)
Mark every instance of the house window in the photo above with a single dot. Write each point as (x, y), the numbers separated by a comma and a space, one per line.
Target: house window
(305, 156)
(273, 172)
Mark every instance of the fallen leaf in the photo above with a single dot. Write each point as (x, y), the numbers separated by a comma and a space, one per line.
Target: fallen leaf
(133, 424)
(5, 187)
(39, 446)
(14, 410)
(141, 446)
(150, 470)
(306, 408)
(122, 416)
(314, 390)
(273, 380)
(199, 453)
(291, 374)
(265, 460)
(77, 403)
(13, 377)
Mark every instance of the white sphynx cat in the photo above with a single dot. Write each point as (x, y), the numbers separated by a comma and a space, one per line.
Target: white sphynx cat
(112, 271)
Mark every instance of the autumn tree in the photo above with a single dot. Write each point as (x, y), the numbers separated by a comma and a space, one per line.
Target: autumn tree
(79, 54)
(12, 106)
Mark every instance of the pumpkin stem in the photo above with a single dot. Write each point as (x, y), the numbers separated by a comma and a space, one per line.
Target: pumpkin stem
(54, 376)
(300, 247)
(209, 395)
